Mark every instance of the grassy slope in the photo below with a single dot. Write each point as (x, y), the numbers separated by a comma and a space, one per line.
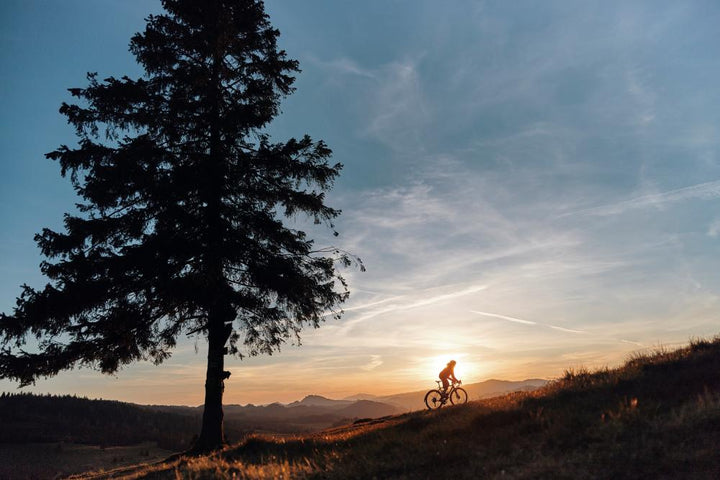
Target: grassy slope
(658, 416)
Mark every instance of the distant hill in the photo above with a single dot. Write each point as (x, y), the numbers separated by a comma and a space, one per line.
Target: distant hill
(361, 396)
(312, 413)
(489, 388)
(368, 409)
(318, 401)
(658, 416)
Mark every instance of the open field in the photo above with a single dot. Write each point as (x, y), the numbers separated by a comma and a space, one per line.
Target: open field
(50, 460)
(658, 416)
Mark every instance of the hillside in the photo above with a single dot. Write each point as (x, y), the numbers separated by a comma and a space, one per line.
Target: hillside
(658, 416)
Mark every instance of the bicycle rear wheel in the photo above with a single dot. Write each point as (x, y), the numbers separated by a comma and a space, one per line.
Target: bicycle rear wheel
(433, 399)
(458, 396)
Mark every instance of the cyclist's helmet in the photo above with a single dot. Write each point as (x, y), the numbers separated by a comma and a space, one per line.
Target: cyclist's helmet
(451, 363)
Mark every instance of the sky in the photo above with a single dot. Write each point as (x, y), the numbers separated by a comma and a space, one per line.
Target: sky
(533, 186)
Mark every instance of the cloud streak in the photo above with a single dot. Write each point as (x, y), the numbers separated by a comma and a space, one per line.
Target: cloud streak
(412, 302)
(505, 317)
(526, 322)
(342, 66)
(704, 191)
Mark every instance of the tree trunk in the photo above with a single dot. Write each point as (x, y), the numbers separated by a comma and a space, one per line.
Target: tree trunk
(211, 434)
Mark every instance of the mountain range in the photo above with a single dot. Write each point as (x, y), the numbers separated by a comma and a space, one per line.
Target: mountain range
(315, 412)
(365, 404)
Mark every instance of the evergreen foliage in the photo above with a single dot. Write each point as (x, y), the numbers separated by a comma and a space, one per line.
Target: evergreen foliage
(181, 227)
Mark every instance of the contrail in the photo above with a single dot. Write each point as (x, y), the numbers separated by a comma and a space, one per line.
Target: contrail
(569, 330)
(554, 327)
(447, 296)
(407, 306)
(364, 305)
(504, 317)
(371, 304)
(526, 322)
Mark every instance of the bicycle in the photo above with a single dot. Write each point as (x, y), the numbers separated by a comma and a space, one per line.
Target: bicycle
(436, 398)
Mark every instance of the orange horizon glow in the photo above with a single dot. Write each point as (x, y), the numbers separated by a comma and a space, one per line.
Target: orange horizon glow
(274, 385)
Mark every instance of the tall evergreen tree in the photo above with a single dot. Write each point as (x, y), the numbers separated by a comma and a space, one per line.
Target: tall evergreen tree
(181, 229)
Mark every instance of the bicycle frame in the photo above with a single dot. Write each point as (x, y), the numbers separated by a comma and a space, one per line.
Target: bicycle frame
(439, 397)
(451, 388)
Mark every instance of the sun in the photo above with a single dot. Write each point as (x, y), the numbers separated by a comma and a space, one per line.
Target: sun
(462, 368)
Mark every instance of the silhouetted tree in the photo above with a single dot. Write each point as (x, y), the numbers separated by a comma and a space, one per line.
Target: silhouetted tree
(182, 229)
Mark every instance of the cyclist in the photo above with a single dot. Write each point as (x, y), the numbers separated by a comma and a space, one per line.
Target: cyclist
(448, 372)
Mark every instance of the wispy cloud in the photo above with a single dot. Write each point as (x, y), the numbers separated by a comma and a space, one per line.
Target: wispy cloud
(342, 66)
(409, 302)
(641, 92)
(714, 228)
(706, 191)
(375, 361)
(392, 104)
(398, 110)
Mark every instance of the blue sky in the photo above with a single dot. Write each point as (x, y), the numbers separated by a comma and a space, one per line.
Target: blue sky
(533, 185)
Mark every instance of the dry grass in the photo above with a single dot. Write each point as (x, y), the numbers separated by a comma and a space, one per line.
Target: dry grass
(658, 416)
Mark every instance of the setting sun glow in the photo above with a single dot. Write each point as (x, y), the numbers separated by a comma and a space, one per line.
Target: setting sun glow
(463, 370)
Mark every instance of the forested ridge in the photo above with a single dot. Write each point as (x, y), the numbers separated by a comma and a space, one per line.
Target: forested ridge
(27, 417)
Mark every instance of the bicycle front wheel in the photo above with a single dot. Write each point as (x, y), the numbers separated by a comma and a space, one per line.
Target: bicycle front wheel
(433, 399)
(458, 396)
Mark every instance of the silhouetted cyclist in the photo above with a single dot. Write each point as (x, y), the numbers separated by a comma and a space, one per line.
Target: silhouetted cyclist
(448, 372)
